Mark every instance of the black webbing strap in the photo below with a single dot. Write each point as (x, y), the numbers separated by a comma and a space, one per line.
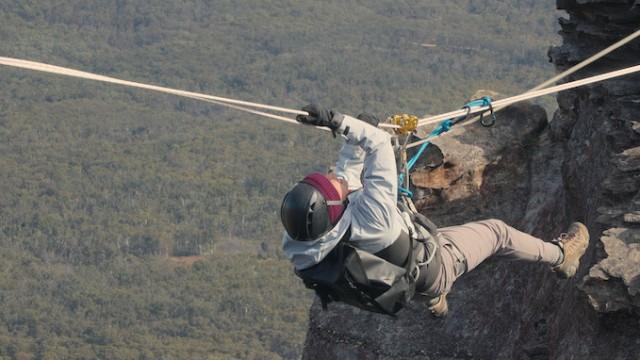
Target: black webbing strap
(398, 252)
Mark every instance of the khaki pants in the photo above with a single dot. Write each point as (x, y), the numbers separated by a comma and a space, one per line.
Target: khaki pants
(464, 247)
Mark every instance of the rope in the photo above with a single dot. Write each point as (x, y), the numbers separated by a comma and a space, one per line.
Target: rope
(270, 115)
(574, 68)
(222, 101)
(36, 66)
(242, 105)
(564, 74)
(442, 128)
(488, 105)
(256, 112)
(532, 94)
(439, 130)
(588, 61)
(501, 104)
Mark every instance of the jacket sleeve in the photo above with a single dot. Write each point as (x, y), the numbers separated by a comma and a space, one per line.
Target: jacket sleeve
(350, 164)
(375, 211)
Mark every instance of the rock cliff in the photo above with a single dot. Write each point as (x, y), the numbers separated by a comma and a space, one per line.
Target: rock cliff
(537, 176)
(600, 126)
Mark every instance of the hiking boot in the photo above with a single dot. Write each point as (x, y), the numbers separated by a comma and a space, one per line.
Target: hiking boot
(439, 306)
(573, 244)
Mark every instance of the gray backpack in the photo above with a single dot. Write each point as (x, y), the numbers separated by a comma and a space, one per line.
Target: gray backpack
(365, 280)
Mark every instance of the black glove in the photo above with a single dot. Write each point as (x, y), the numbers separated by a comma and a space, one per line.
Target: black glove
(319, 116)
(369, 118)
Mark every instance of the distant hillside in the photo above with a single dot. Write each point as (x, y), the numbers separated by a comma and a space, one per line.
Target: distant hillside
(95, 178)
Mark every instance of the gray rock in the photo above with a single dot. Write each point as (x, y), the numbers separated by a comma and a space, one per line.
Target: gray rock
(629, 160)
(614, 283)
(632, 217)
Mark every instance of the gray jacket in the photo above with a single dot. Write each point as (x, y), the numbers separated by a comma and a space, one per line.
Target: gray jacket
(372, 212)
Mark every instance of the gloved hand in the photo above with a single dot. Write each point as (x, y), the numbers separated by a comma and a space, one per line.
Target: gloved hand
(369, 118)
(320, 116)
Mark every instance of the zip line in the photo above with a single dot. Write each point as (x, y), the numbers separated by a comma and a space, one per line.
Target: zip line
(531, 95)
(481, 105)
(588, 61)
(501, 104)
(467, 111)
(573, 69)
(218, 100)
(242, 105)
(251, 107)
(52, 69)
(543, 85)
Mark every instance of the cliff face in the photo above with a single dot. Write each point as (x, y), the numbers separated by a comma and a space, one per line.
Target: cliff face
(585, 165)
(601, 127)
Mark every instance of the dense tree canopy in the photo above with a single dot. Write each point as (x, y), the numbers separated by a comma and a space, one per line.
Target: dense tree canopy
(139, 225)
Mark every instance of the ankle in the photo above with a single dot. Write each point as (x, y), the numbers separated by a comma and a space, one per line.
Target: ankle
(560, 258)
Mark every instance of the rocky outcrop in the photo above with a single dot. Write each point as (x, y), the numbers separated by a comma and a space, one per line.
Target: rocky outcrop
(600, 125)
(585, 165)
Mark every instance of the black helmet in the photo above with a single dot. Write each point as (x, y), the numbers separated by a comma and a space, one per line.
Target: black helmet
(306, 213)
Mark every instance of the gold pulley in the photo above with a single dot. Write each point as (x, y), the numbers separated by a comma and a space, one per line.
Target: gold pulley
(407, 123)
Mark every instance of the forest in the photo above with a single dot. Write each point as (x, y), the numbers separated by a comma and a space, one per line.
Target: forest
(141, 225)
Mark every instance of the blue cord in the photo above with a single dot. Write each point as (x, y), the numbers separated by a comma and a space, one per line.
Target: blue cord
(443, 127)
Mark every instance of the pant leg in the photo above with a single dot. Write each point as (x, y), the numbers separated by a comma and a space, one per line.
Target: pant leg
(479, 240)
(452, 266)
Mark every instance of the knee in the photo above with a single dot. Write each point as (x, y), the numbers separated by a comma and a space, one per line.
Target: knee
(499, 227)
(495, 223)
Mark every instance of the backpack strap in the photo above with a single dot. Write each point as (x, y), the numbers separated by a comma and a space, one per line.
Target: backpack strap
(430, 267)
(321, 291)
(399, 251)
(406, 205)
(426, 223)
(407, 286)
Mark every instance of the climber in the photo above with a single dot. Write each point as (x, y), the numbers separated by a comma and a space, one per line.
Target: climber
(353, 213)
